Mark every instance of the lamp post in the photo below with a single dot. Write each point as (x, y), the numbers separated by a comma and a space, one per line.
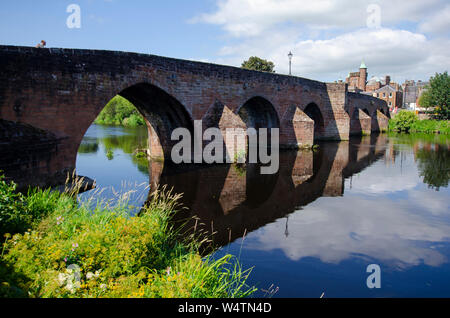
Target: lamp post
(290, 55)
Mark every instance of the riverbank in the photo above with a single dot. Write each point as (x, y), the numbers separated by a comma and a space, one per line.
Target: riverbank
(55, 247)
(407, 121)
(120, 112)
(431, 126)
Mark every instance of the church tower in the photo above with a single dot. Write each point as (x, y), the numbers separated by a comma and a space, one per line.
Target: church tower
(362, 76)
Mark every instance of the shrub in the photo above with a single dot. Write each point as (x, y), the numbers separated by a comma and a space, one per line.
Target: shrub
(19, 212)
(119, 111)
(431, 126)
(134, 121)
(79, 252)
(403, 121)
(14, 215)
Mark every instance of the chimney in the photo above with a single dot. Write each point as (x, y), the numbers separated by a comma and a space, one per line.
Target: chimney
(388, 80)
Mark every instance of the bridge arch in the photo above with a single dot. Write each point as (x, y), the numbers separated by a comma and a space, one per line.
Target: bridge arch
(258, 112)
(163, 114)
(366, 111)
(313, 111)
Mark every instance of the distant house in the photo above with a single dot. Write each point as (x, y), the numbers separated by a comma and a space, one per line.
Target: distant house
(382, 88)
(411, 93)
(391, 94)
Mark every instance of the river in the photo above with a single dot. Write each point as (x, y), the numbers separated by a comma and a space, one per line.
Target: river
(313, 228)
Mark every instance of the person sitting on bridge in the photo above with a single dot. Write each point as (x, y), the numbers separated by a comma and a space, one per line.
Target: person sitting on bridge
(41, 45)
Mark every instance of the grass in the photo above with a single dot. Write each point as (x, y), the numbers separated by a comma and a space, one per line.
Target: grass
(431, 126)
(407, 121)
(73, 250)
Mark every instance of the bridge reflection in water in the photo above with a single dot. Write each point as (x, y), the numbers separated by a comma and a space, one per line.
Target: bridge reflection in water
(230, 201)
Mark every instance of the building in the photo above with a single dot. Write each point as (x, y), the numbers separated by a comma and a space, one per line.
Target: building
(411, 93)
(382, 88)
(357, 80)
(391, 94)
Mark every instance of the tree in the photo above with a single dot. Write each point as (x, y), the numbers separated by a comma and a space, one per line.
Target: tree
(258, 64)
(403, 121)
(437, 95)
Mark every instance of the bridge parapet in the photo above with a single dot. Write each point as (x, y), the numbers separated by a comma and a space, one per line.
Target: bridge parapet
(63, 90)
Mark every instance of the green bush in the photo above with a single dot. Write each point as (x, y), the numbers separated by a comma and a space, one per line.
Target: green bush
(403, 121)
(20, 212)
(77, 251)
(120, 112)
(431, 126)
(134, 121)
(14, 215)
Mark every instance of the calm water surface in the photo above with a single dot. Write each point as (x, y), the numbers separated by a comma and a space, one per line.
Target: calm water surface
(315, 226)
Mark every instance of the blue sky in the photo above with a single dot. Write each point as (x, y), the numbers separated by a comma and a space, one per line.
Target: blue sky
(329, 38)
(157, 27)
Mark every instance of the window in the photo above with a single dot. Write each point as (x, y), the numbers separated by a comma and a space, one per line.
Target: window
(384, 94)
(390, 95)
(390, 103)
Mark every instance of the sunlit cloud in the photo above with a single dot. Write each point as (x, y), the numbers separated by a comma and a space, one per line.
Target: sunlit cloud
(330, 38)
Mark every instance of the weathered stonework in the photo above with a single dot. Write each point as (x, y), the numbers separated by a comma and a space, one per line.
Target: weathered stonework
(62, 91)
(376, 109)
(28, 155)
(360, 123)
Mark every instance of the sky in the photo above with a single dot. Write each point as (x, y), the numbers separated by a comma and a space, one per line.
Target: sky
(328, 38)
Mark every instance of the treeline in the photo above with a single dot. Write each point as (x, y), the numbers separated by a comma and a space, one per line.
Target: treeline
(120, 112)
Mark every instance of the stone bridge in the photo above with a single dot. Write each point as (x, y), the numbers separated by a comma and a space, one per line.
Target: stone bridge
(230, 203)
(52, 96)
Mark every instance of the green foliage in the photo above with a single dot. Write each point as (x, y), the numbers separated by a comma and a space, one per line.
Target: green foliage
(114, 255)
(431, 126)
(437, 95)
(88, 148)
(433, 162)
(257, 64)
(119, 111)
(403, 121)
(133, 138)
(14, 216)
(434, 166)
(109, 154)
(20, 212)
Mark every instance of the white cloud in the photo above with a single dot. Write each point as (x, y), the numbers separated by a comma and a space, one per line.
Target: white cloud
(382, 178)
(439, 23)
(384, 230)
(329, 38)
(251, 17)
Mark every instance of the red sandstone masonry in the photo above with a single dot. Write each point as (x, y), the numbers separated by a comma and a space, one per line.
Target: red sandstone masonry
(63, 91)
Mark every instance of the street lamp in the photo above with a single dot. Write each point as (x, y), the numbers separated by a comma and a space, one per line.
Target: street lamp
(290, 55)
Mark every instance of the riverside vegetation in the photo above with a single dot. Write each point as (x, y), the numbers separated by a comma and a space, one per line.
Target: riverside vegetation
(120, 112)
(407, 121)
(56, 247)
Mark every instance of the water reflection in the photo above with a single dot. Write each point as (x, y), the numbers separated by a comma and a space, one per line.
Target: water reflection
(231, 201)
(316, 224)
(106, 154)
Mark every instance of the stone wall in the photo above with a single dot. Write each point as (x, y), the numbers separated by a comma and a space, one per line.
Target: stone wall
(62, 91)
(28, 155)
(375, 108)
